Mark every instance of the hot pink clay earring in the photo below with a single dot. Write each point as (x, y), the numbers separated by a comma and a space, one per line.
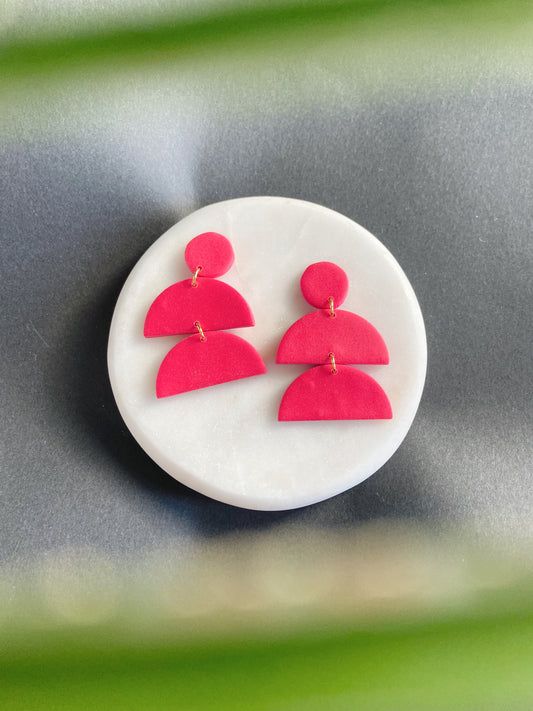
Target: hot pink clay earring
(202, 306)
(332, 338)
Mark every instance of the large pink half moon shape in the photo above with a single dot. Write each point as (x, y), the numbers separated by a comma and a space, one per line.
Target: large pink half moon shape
(194, 364)
(350, 337)
(349, 394)
(214, 304)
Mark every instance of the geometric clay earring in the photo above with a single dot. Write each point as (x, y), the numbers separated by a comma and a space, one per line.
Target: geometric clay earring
(332, 338)
(202, 306)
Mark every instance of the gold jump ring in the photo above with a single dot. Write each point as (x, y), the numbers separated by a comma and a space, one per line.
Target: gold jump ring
(332, 359)
(331, 309)
(200, 331)
(194, 282)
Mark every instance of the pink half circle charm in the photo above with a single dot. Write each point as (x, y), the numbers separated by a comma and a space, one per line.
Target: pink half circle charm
(193, 364)
(350, 337)
(349, 394)
(214, 304)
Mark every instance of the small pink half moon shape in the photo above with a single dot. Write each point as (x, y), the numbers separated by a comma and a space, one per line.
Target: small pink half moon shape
(214, 304)
(350, 337)
(350, 394)
(194, 364)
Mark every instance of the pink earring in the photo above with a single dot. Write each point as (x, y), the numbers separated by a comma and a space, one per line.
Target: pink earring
(332, 338)
(203, 305)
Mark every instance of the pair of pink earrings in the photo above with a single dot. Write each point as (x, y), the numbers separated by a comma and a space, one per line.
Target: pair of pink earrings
(327, 338)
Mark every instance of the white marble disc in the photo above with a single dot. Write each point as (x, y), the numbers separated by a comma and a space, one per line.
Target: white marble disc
(225, 441)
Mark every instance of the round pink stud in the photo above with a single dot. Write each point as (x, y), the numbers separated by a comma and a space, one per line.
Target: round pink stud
(211, 251)
(323, 281)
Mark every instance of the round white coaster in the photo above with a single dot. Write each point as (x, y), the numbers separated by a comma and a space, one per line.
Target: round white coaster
(225, 441)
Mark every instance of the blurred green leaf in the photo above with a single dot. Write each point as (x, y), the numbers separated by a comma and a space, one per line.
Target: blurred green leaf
(228, 27)
(460, 665)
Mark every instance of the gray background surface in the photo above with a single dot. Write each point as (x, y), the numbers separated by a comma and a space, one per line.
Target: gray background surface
(94, 167)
